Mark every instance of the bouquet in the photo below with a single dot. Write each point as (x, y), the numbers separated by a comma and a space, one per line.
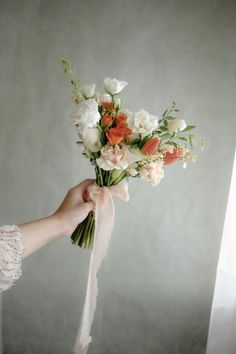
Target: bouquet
(121, 144)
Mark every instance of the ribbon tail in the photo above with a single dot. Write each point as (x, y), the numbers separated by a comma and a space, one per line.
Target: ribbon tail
(104, 217)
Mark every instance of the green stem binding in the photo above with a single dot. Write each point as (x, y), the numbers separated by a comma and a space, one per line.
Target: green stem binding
(83, 235)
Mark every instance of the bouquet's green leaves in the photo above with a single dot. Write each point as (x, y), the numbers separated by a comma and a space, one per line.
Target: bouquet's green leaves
(163, 128)
(182, 138)
(165, 122)
(164, 114)
(173, 143)
(66, 65)
(170, 117)
(189, 127)
(145, 139)
(190, 139)
(135, 141)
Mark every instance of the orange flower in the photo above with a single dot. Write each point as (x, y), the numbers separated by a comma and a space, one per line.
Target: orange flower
(108, 106)
(126, 131)
(172, 157)
(121, 120)
(151, 146)
(115, 135)
(107, 120)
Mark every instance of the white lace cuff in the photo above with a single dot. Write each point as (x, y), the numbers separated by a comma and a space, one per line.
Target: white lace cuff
(11, 253)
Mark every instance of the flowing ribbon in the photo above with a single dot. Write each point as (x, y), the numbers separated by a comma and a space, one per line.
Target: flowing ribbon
(104, 218)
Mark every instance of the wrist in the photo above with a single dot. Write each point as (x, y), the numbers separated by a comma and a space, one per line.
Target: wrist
(60, 224)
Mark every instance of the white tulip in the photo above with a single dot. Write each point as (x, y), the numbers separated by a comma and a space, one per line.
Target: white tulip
(114, 86)
(90, 138)
(87, 115)
(88, 90)
(142, 123)
(176, 125)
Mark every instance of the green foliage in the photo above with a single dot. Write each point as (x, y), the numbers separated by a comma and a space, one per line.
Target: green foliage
(189, 127)
(66, 65)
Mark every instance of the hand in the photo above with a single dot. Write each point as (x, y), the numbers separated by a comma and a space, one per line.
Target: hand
(75, 207)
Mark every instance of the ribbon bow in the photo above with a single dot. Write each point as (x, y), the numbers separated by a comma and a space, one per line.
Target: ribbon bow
(104, 218)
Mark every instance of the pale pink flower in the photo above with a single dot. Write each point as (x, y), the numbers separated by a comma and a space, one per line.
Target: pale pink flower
(152, 172)
(112, 157)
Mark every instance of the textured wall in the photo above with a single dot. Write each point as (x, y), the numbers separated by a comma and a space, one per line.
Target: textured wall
(156, 283)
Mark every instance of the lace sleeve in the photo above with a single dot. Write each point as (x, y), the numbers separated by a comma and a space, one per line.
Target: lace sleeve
(11, 253)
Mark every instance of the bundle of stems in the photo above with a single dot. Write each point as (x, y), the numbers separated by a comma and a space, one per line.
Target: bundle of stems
(83, 235)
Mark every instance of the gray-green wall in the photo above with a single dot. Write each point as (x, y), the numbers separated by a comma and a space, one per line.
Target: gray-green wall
(156, 283)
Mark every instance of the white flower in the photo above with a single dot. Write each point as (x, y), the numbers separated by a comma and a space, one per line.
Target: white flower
(112, 157)
(167, 147)
(114, 86)
(90, 138)
(88, 90)
(117, 101)
(176, 125)
(132, 171)
(134, 155)
(152, 172)
(142, 123)
(87, 115)
(184, 164)
(104, 98)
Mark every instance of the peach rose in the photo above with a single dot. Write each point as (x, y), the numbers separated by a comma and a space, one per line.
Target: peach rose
(121, 120)
(106, 120)
(116, 135)
(108, 106)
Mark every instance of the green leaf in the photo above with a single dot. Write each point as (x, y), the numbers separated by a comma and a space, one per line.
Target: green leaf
(190, 138)
(173, 143)
(163, 115)
(66, 65)
(145, 139)
(182, 138)
(189, 127)
(135, 141)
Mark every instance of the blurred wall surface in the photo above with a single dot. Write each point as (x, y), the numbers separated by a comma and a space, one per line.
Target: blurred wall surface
(156, 283)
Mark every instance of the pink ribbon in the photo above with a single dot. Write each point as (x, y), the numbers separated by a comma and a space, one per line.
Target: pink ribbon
(104, 218)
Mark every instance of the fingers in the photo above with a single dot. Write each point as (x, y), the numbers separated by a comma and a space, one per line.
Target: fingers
(83, 185)
(79, 191)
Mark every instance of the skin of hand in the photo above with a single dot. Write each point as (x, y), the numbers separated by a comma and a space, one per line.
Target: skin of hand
(72, 211)
(75, 207)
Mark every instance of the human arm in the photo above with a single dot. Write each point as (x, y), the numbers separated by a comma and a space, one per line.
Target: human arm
(72, 211)
(17, 242)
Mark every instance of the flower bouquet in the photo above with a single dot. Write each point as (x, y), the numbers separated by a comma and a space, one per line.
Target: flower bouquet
(122, 144)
